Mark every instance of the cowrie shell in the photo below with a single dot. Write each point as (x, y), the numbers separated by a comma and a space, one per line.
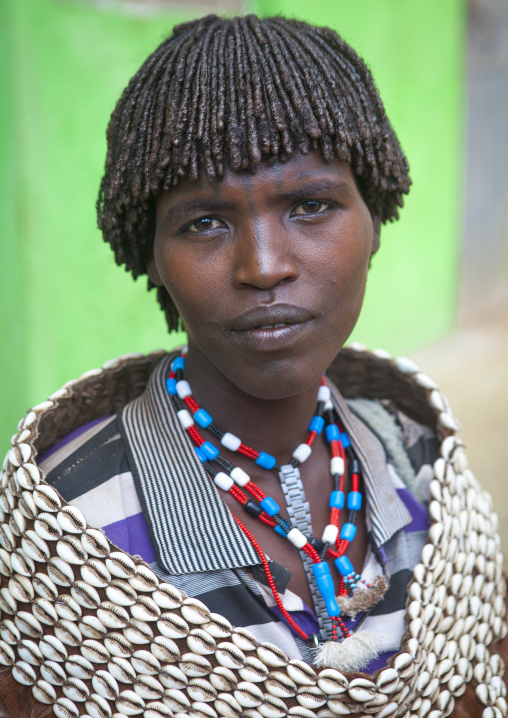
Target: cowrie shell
(22, 564)
(194, 666)
(105, 685)
(53, 673)
(68, 632)
(248, 695)
(388, 681)
(173, 677)
(118, 645)
(30, 652)
(76, 690)
(28, 624)
(70, 550)
(194, 611)
(254, 670)
(65, 708)
(10, 632)
(244, 639)
(167, 596)
(46, 498)
(362, 690)
(199, 641)
(138, 632)
(144, 580)
(172, 626)
(148, 687)
(332, 682)
(5, 562)
(17, 522)
(120, 565)
(47, 527)
(21, 589)
(129, 703)
(79, 667)
(95, 543)
(23, 673)
(223, 679)
(97, 707)
(301, 673)
(165, 649)
(121, 593)
(45, 611)
(145, 609)
(92, 627)
(35, 547)
(280, 685)
(272, 656)
(229, 656)
(227, 706)
(202, 710)
(95, 573)
(121, 670)
(44, 692)
(7, 655)
(200, 689)
(94, 651)
(7, 602)
(71, 520)
(310, 697)
(60, 571)
(20, 454)
(145, 662)
(85, 595)
(218, 626)
(67, 608)
(28, 477)
(406, 365)
(176, 700)
(112, 616)
(53, 649)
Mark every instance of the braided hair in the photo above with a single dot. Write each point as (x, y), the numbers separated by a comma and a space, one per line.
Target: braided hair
(232, 93)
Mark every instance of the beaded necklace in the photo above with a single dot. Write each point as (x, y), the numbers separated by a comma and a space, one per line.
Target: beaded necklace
(266, 509)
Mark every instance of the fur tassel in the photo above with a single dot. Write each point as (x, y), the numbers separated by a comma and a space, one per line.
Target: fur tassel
(363, 598)
(351, 654)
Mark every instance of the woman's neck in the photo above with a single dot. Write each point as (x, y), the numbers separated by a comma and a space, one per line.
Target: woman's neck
(275, 426)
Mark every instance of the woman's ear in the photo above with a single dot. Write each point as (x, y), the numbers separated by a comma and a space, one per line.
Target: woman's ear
(153, 272)
(376, 223)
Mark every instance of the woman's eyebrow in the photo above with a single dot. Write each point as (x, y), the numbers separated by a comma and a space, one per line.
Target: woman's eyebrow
(313, 189)
(180, 209)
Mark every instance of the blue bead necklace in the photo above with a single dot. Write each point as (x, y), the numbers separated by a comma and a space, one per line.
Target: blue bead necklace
(265, 508)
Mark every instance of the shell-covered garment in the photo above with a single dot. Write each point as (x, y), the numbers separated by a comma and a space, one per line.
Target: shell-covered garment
(108, 469)
(89, 630)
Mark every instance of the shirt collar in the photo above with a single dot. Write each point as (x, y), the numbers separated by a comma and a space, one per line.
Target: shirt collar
(191, 528)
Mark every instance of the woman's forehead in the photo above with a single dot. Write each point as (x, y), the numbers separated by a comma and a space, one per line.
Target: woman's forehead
(297, 172)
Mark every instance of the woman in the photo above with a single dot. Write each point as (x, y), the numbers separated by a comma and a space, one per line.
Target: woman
(250, 165)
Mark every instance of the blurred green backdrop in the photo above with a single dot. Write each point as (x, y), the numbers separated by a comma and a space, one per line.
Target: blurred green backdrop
(66, 307)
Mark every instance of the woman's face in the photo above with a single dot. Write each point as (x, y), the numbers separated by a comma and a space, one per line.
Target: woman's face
(267, 270)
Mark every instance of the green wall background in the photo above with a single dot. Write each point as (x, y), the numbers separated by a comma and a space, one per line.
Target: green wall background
(66, 307)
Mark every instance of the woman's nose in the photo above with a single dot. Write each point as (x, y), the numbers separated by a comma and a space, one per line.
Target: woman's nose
(263, 256)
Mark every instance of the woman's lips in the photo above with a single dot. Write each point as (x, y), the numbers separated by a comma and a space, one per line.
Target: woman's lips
(273, 336)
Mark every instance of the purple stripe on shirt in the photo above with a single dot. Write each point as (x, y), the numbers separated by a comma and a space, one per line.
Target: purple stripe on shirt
(305, 620)
(131, 535)
(70, 437)
(419, 514)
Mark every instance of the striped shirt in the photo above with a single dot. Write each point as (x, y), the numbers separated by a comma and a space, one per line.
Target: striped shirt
(137, 476)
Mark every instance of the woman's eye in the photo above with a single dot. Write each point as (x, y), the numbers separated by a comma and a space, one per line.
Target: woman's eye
(311, 206)
(204, 224)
